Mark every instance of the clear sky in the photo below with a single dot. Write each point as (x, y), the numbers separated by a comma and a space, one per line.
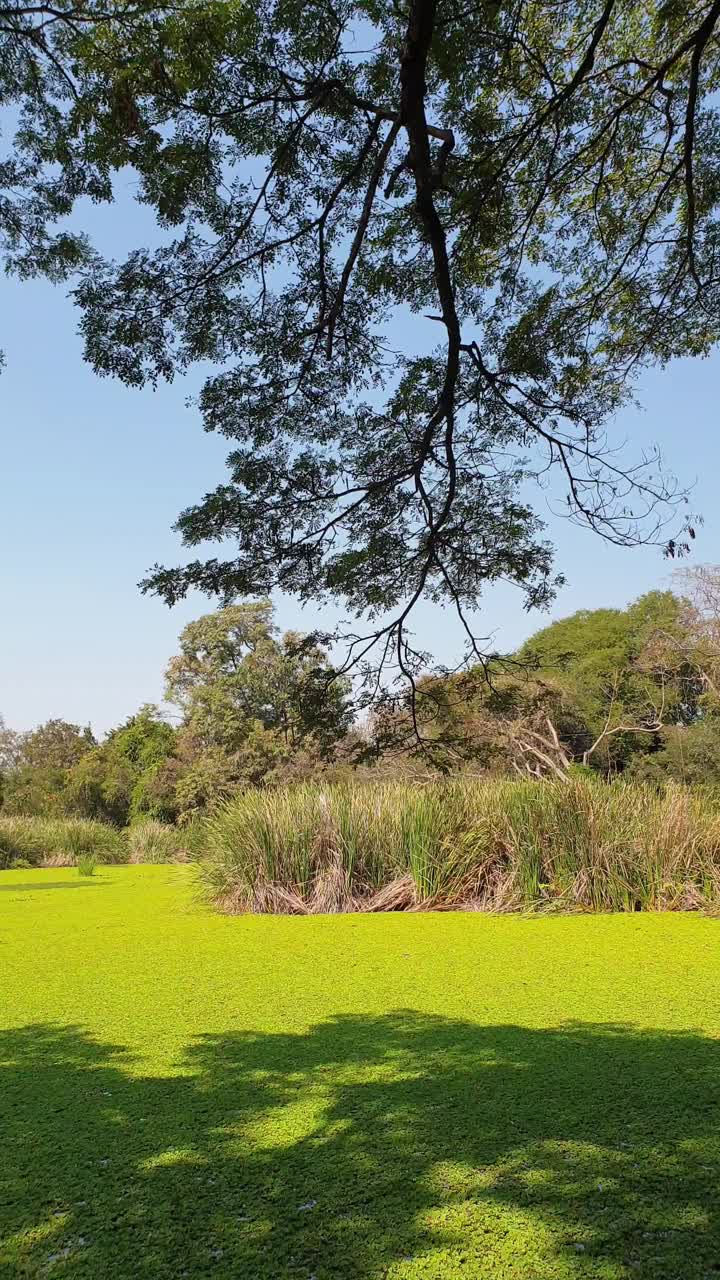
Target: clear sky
(92, 476)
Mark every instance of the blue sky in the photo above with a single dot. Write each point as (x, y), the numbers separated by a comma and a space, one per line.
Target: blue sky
(92, 476)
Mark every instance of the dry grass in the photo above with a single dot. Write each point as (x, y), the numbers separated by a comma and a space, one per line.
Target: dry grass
(155, 842)
(58, 842)
(63, 842)
(489, 846)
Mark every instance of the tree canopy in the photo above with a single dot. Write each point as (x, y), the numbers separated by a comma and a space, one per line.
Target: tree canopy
(616, 677)
(602, 688)
(44, 167)
(233, 671)
(536, 183)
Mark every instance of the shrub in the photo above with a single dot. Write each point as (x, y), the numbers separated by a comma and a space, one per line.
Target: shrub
(87, 864)
(499, 845)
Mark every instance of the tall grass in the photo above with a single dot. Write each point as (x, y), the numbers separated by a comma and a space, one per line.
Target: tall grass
(502, 846)
(151, 841)
(66, 841)
(58, 841)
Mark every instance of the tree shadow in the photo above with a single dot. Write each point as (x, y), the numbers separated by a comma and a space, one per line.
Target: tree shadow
(51, 884)
(403, 1145)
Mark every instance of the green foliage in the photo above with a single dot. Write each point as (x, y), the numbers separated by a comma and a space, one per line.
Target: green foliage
(609, 682)
(49, 54)
(114, 782)
(492, 846)
(602, 660)
(581, 771)
(141, 746)
(55, 745)
(87, 864)
(234, 677)
(411, 1096)
(558, 210)
(59, 769)
(38, 766)
(256, 708)
(10, 748)
(253, 705)
(201, 777)
(101, 787)
(40, 792)
(688, 754)
(144, 740)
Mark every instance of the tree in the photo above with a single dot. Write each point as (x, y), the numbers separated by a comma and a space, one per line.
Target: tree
(699, 642)
(537, 183)
(56, 745)
(38, 792)
(101, 787)
(233, 672)
(114, 782)
(689, 754)
(39, 764)
(690, 749)
(46, 52)
(622, 687)
(10, 748)
(257, 707)
(594, 689)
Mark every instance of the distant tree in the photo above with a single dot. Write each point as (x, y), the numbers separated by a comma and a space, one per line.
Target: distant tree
(699, 642)
(10, 747)
(690, 750)
(56, 745)
(594, 689)
(202, 776)
(621, 687)
(234, 672)
(144, 740)
(40, 763)
(256, 707)
(254, 704)
(688, 753)
(35, 792)
(114, 781)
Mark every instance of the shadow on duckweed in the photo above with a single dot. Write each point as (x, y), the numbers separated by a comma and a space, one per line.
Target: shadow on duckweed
(402, 1146)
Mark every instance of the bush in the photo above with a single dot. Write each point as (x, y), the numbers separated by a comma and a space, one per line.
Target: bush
(579, 844)
(87, 864)
(58, 841)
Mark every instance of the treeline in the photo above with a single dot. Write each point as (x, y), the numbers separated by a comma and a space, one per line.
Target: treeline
(252, 707)
(630, 692)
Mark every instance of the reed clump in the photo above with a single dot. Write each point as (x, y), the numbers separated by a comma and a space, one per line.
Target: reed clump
(467, 844)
